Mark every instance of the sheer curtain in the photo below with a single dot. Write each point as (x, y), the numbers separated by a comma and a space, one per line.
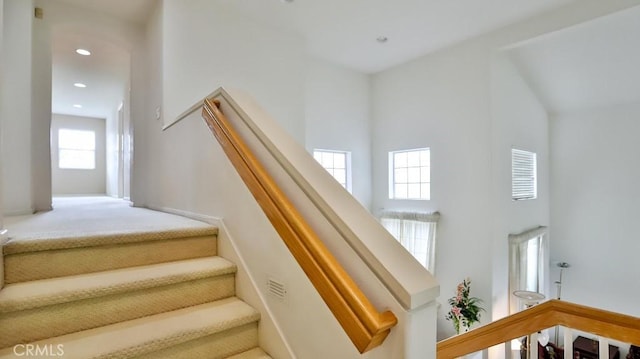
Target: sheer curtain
(416, 232)
(528, 252)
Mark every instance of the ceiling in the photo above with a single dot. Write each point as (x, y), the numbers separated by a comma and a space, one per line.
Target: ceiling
(345, 32)
(105, 73)
(342, 32)
(135, 11)
(591, 65)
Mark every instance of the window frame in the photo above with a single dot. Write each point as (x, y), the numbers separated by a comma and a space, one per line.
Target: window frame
(518, 271)
(347, 162)
(63, 146)
(524, 175)
(393, 170)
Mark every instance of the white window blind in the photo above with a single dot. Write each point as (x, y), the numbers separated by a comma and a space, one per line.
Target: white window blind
(416, 232)
(523, 175)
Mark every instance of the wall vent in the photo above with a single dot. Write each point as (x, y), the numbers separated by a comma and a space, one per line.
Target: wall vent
(277, 289)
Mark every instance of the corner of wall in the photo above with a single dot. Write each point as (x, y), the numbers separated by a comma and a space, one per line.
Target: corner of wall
(271, 336)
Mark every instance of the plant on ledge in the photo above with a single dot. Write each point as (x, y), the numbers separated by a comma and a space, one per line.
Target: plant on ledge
(465, 310)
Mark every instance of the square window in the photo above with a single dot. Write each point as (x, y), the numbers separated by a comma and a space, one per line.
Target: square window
(76, 149)
(410, 174)
(337, 163)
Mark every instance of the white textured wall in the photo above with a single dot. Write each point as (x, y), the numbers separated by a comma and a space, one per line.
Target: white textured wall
(15, 107)
(594, 206)
(207, 46)
(183, 166)
(441, 102)
(79, 181)
(444, 101)
(337, 115)
(25, 97)
(41, 113)
(2, 233)
(518, 121)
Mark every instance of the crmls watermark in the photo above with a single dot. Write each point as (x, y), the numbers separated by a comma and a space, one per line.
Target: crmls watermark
(38, 350)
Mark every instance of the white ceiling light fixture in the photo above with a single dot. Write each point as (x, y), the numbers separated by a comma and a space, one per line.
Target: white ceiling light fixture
(79, 84)
(382, 39)
(77, 106)
(83, 52)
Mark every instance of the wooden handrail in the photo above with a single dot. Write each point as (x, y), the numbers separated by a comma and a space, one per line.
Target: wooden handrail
(548, 314)
(365, 326)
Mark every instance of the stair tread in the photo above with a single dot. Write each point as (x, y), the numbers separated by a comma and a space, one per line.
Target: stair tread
(154, 332)
(39, 293)
(65, 240)
(255, 353)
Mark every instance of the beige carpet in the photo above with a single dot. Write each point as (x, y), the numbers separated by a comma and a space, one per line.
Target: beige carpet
(75, 216)
(102, 279)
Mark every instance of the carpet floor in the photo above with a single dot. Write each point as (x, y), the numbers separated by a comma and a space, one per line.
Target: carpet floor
(75, 216)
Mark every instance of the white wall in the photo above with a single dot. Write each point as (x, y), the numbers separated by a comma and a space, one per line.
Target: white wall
(25, 108)
(518, 121)
(195, 47)
(41, 113)
(79, 181)
(15, 107)
(207, 46)
(3, 232)
(441, 102)
(337, 115)
(594, 209)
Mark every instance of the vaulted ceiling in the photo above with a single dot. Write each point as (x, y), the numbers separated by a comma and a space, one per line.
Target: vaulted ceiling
(592, 64)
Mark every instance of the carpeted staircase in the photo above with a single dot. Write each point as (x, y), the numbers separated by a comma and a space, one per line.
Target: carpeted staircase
(149, 294)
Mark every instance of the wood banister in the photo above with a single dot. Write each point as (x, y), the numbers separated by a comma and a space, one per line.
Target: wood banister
(365, 326)
(548, 314)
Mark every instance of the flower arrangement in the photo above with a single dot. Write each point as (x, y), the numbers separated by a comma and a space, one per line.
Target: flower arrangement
(465, 310)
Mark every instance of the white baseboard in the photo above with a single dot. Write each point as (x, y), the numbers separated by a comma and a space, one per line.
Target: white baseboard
(179, 212)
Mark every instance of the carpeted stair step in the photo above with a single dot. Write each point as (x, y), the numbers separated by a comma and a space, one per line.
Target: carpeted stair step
(219, 329)
(35, 310)
(28, 259)
(255, 353)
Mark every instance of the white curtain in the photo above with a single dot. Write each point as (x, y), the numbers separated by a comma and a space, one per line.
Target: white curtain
(416, 232)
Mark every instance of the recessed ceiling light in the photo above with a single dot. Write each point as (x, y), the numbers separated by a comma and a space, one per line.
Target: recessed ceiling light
(83, 52)
(286, 1)
(382, 39)
(79, 84)
(77, 106)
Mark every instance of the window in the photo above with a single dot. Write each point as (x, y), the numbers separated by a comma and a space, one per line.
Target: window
(76, 149)
(416, 232)
(527, 263)
(523, 175)
(410, 174)
(337, 163)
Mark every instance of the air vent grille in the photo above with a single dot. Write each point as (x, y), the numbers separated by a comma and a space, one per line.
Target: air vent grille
(277, 289)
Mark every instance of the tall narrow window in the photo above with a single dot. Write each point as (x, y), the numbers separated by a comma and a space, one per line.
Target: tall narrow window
(416, 232)
(523, 175)
(76, 149)
(527, 263)
(410, 174)
(337, 163)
